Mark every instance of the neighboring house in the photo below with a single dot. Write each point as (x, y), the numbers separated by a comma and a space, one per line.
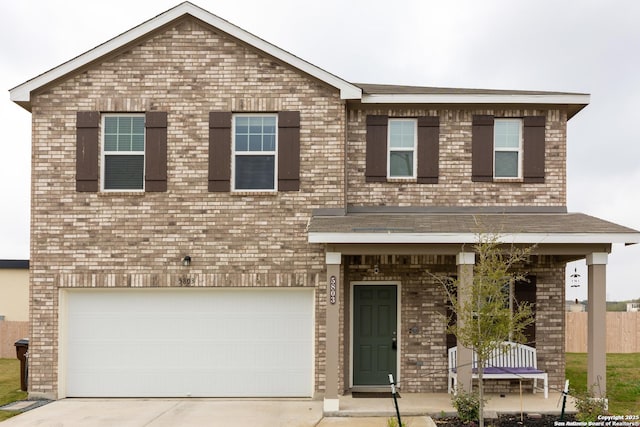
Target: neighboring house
(14, 304)
(213, 216)
(633, 306)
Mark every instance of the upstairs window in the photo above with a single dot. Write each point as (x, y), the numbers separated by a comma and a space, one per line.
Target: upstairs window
(504, 149)
(402, 148)
(114, 152)
(254, 152)
(507, 145)
(249, 152)
(123, 154)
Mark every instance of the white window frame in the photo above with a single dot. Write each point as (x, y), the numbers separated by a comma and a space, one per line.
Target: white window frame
(235, 153)
(104, 154)
(413, 149)
(518, 150)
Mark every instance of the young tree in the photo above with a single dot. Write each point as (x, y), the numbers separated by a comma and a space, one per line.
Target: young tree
(487, 316)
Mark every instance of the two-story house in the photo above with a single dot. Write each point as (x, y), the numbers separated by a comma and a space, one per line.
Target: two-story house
(214, 216)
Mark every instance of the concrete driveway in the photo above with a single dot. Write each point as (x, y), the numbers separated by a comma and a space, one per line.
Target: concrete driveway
(191, 412)
(170, 413)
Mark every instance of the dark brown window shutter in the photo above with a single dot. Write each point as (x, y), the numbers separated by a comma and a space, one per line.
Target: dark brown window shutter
(534, 149)
(289, 151)
(219, 151)
(428, 149)
(376, 168)
(525, 291)
(482, 149)
(155, 152)
(87, 135)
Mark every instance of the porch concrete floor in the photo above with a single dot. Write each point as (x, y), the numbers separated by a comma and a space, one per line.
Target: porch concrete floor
(437, 404)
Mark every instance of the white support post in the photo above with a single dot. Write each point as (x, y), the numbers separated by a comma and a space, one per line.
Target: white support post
(331, 401)
(465, 261)
(597, 323)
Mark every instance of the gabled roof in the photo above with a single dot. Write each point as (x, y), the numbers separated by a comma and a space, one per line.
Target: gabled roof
(22, 94)
(365, 93)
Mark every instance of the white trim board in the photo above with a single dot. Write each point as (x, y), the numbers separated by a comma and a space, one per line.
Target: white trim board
(530, 238)
(453, 98)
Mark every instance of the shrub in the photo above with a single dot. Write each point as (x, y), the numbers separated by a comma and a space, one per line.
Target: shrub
(467, 405)
(590, 407)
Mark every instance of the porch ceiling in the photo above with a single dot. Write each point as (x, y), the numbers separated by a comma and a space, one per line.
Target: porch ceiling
(441, 228)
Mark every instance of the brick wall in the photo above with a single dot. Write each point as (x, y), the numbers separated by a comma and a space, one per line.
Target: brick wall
(136, 239)
(239, 239)
(455, 187)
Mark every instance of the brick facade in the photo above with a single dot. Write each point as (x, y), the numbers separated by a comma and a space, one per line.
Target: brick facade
(455, 187)
(249, 239)
(422, 329)
(137, 239)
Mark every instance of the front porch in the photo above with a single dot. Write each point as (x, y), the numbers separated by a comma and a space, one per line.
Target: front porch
(439, 404)
(398, 251)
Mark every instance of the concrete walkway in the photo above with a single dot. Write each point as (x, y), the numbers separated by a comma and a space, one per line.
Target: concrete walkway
(354, 412)
(437, 404)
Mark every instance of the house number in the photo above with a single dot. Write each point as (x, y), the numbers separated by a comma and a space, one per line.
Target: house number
(186, 281)
(332, 290)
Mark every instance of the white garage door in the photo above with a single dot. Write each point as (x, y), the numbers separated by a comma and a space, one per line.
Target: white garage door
(188, 342)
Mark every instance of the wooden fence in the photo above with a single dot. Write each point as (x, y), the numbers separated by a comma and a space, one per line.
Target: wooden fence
(10, 332)
(623, 332)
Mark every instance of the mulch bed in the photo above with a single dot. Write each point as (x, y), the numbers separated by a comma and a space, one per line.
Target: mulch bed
(507, 421)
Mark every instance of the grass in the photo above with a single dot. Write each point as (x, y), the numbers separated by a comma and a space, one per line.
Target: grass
(10, 385)
(623, 380)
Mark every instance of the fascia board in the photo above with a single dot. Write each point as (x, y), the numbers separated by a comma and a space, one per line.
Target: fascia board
(470, 238)
(21, 94)
(579, 99)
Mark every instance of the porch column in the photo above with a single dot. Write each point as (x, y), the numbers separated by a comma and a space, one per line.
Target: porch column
(597, 323)
(465, 261)
(331, 401)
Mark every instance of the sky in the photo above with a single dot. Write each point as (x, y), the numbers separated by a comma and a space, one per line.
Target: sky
(581, 46)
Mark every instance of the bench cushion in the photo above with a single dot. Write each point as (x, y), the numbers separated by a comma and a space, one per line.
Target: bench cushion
(498, 370)
(516, 371)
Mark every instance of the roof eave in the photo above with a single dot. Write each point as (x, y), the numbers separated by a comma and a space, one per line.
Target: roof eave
(21, 94)
(576, 101)
(470, 238)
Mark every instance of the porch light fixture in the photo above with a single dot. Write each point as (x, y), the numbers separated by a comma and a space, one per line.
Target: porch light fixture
(186, 261)
(575, 279)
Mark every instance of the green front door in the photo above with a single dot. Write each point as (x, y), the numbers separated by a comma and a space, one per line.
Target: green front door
(374, 334)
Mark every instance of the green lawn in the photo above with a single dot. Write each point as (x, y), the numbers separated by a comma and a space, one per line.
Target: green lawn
(623, 380)
(10, 385)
